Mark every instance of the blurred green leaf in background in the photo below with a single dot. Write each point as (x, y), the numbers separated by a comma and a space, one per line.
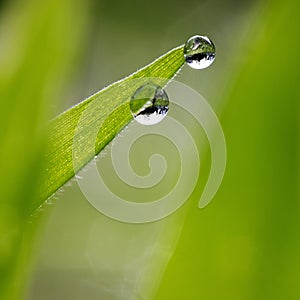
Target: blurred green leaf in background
(245, 244)
(38, 46)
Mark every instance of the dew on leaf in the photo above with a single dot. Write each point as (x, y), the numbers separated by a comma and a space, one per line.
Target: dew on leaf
(149, 104)
(199, 52)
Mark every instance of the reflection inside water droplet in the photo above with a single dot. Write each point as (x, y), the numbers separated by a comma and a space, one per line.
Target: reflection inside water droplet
(149, 104)
(199, 52)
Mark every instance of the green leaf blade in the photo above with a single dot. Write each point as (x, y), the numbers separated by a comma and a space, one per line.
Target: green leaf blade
(107, 112)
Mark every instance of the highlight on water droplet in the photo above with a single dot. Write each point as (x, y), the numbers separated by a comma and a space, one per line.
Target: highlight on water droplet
(149, 104)
(199, 52)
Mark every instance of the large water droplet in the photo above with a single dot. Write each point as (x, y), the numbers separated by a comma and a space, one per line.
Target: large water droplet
(149, 104)
(199, 52)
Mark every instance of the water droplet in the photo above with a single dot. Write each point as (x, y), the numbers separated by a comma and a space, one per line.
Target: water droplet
(149, 104)
(199, 52)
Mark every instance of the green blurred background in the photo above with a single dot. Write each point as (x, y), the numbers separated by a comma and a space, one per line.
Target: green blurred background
(245, 244)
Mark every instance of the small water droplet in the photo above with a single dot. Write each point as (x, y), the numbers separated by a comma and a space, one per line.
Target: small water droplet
(149, 104)
(199, 52)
